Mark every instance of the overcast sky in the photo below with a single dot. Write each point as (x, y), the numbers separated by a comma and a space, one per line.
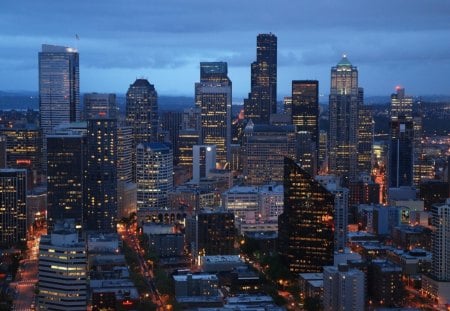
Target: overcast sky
(392, 42)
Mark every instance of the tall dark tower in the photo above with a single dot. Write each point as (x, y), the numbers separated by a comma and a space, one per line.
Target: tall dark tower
(101, 176)
(401, 152)
(345, 100)
(262, 100)
(142, 115)
(305, 117)
(305, 237)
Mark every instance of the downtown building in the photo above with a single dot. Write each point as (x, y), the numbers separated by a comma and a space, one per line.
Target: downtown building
(142, 115)
(13, 207)
(344, 102)
(154, 178)
(306, 227)
(99, 105)
(305, 118)
(213, 95)
(262, 99)
(62, 270)
(59, 88)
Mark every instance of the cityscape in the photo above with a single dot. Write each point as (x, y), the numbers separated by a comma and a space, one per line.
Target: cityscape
(294, 196)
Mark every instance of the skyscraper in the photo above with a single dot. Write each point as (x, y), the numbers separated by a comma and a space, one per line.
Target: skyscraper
(213, 94)
(66, 160)
(13, 207)
(142, 114)
(62, 271)
(101, 175)
(345, 99)
(203, 161)
(305, 117)
(215, 233)
(98, 105)
(262, 99)
(59, 87)
(401, 104)
(365, 139)
(154, 177)
(306, 226)
(401, 152)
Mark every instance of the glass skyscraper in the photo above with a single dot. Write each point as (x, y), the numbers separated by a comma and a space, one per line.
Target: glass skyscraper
(59, 87)
(213, 95)
(262, 99)
(306, 227)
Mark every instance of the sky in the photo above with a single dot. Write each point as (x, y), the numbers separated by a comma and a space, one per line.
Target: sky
(392, 42)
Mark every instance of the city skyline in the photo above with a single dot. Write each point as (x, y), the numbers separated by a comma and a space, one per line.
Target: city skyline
(159, 43)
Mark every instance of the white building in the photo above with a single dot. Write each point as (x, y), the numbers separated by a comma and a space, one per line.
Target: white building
(62, 271)
(343, 288)
(203, 161)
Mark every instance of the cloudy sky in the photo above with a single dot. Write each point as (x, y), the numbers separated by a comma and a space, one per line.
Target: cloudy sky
(392, 42)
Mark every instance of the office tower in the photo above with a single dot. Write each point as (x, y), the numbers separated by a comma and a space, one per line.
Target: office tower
(385, 286)
(204, 160)
(323, 151)
(154, 177)
(437, 283)
(401, 152)
(215, 233)
(341, 199)
(287, 103)
(305, 234)
(263, 150)
(401, 104)
(62, 271)
(66, 164)
(262, 99)
(305, 117)
(59, 87)
(98, 105)
(189, 136)
(126, 189)
(142, 114)
(2, 151)
(24, 150)
(365, 138)
(306, 153)
(170, 124)
(364, 191)
(101, 175)
(344, 102)
(343, 288)
(213, 97)
(13, 207)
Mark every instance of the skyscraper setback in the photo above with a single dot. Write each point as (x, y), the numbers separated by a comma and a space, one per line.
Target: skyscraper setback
(345, 99)
(213, 95)
(59, 87)
(262, 99)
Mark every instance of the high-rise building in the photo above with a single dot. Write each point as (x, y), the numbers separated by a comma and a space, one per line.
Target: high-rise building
(365, 139)
(323, 151)
(401, 152)
(305, 116)
(189, 136)
(213, 95)
(13, 207)
(98, 105)
(126, 188)
(24, 150)
(142, 114)
(215, 233)
(262, 99)
(305, 237)
(101, 175)
(385, 286)
(204, 160)
(2, 151)
(154, 177)
(170, 125)
(263, 150)
(341, 199)
(343, 288)
(401, 104)
(62, 271)
(345, 99)
(66, 160)
(59, 87)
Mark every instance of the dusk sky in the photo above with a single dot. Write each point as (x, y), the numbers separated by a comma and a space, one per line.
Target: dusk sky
(392, 42)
